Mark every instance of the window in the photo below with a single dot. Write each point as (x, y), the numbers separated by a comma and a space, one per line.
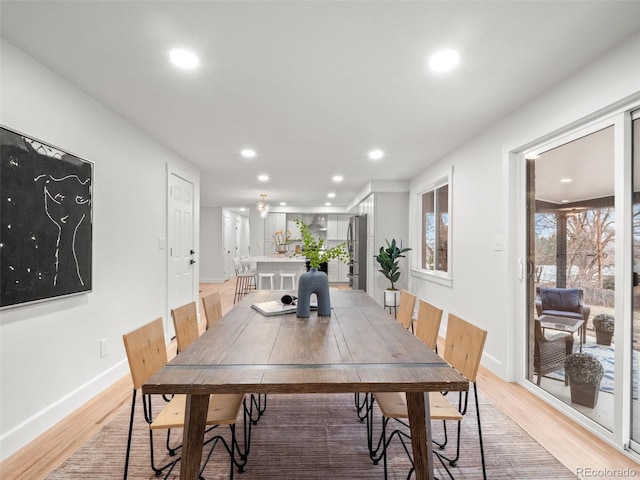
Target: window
(435, 229)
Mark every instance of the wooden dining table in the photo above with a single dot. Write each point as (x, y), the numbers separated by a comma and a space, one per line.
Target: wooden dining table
(359, 348)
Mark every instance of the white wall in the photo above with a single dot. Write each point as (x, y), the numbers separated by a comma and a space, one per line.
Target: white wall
(50, 352)
(386, 220)
(212, 242)
(211, 245)
(485, 284)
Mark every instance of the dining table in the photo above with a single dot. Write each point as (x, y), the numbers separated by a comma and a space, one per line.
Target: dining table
(359, 348)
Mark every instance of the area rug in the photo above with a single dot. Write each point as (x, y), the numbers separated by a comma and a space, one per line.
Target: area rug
(319, 437)
(605, 354)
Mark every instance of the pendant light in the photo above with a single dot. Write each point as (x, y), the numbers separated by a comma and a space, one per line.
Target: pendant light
(262, 206)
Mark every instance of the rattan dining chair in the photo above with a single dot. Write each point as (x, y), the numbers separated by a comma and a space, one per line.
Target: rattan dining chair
(464, 344)
(147, 353)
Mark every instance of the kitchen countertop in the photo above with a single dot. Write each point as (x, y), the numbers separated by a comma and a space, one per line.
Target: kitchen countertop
(278, 258)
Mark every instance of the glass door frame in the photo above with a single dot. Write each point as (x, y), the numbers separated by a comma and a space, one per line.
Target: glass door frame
(621, 119)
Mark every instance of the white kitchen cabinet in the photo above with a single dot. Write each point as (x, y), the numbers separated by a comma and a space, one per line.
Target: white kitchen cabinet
(343, 226)
(272, 223)
(343, 272)
(333, 271)
(338, 271)
(337, 226)
(332, 227)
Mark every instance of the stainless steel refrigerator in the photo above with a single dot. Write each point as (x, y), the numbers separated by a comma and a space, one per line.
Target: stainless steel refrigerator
(357, 248)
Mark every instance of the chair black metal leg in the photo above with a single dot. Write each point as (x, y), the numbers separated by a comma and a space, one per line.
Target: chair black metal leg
(259, 401)
(361, 406)
(484, 468)
(126, 461)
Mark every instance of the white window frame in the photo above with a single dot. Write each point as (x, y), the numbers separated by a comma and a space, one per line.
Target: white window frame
(438, 276)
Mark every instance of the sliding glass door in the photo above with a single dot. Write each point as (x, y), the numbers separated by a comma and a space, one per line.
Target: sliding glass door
(572, 253)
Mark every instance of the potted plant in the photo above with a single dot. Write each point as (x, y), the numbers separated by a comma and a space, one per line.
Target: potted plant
(604, 325)
(585, 373)
(315, 281)
(390, 268)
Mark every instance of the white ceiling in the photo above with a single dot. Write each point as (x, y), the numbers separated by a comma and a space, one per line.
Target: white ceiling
(313, 86)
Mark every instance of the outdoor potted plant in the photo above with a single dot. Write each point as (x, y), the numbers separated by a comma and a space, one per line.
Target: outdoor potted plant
(585, 373)
(315, 281)
(390, 268)
(604, 325)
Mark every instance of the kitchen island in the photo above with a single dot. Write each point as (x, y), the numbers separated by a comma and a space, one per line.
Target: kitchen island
(278, 264)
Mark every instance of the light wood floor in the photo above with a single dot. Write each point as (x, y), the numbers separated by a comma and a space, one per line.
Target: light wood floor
(574, 446)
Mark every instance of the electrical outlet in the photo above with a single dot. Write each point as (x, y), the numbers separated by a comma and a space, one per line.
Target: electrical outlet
(103, 348)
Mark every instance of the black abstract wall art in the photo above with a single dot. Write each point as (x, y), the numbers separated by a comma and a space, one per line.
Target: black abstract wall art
(45, 221)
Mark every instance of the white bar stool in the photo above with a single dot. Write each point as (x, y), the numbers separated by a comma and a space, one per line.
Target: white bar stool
(290, 275)
(270, 276)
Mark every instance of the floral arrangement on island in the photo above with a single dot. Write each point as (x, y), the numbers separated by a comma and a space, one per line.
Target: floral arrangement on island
(315, 250)
(282, 238)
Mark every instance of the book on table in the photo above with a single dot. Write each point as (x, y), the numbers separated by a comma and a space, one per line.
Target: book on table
(276, 307)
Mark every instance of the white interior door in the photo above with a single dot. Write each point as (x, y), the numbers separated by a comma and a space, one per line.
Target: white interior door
(238, 237)
(227, 234)
(181, 288)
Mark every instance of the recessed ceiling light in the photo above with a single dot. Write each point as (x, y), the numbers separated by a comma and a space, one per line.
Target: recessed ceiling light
(376, 154)
(566, 180)
(282, 204)
(444, 60)
(184, 59)
(327, 204)
(565, 201)
(242, 209)
(248, 153)
(263, 178)
(331, 195)
(337, 178)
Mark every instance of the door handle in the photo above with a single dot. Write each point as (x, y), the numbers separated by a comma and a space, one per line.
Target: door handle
(520, 269)
(191, 262)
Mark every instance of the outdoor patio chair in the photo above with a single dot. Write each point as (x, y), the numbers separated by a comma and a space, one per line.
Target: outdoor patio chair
(562, 302)
(550, 351)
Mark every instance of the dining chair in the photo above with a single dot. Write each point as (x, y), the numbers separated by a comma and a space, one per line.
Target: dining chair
(427, 328)
(146, 354)
(185, 323)
(428, 324)
(404, 315)
(405, 309)
(464, 344)
(212, 308)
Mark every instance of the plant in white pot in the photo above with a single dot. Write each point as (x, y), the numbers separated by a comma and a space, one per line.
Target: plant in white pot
(390, 267)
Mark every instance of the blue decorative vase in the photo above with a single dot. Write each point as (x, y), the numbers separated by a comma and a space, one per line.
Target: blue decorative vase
(311, 282)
